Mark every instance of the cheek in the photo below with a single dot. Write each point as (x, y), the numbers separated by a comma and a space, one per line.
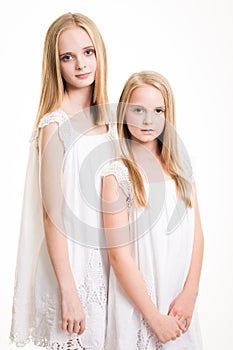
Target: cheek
(132, 129)
(65, 70)
(132, 121)
(160, 124)
(92, 64)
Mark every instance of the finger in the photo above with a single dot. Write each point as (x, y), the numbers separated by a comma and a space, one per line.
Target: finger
(70, 327)
(180, 318)
(182, 326)
(82, 327)
(76, 327)
(188, 321)
(178, 334)
(64, 324)
(170, 307)
(172, 312)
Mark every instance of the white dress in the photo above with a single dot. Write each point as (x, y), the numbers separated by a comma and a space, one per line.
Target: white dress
(161, 243)
(36, 312)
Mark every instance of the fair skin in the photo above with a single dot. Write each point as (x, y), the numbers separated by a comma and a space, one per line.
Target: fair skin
(145, 117)
(78, 67)
(183, 305)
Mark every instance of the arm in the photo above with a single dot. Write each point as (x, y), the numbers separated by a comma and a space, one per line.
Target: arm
(183, 305)
(126, 271)
(51, 155)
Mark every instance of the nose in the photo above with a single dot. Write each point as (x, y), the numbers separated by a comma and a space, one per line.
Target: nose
(80, 63)
(147, 118)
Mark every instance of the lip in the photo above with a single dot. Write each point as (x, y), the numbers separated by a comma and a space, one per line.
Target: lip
(82, 76)
(147, 130)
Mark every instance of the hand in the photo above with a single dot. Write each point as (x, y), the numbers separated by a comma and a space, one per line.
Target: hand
(166, 328)
(73, 319)
(182, 307)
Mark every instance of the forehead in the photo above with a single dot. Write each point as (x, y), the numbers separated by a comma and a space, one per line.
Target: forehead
(74, 39)
(148, 96)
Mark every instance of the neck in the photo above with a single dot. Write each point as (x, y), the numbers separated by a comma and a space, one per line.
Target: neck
(147, 156)
(152, 147)
(76, 100)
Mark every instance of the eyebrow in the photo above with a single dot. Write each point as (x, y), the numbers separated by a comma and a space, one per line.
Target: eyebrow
(71, 53)
(138, 105)
(162, 107)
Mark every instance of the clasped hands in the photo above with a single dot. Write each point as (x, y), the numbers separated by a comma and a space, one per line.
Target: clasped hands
(177, 321)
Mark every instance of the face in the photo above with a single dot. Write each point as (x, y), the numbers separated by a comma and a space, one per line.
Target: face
(145, 114)
(77, 58)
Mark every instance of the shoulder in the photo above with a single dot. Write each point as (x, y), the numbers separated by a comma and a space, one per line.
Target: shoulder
(56, 117)
(117, 169)
(49, 125)
(116, 176)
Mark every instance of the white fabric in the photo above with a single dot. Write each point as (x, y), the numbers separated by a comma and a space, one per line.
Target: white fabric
(162, 250)
(36, 314)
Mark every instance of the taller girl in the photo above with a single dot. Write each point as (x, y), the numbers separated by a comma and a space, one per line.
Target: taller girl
(61, 275)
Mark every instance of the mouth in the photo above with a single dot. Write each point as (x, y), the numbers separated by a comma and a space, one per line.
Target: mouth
(147, 130)
(82, 76)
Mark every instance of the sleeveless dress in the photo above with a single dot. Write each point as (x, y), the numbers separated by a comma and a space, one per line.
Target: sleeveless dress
(161, 238)
(36, 312)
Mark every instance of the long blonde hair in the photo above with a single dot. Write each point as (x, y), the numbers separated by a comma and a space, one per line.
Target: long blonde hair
(167, 141)
(53, 86)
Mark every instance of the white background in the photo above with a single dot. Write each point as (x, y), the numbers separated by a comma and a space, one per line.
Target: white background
(191, 43)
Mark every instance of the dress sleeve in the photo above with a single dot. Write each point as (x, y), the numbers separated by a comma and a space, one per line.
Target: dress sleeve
(66, 132)
(121, 174)
(57, 116)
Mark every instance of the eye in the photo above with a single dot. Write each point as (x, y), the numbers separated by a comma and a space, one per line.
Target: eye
(66, 58)
(89, 52)
(138, 110)
(159, 111)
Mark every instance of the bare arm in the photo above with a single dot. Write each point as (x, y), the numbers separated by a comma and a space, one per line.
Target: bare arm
(193, 278)
(126, 271)
(183, 305)
(51, 155)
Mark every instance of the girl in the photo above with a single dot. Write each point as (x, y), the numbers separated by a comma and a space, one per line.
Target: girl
(152, 226)
(61, 276)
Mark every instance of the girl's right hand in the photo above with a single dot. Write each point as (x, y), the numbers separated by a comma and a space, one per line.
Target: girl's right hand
(167, 328)
(73, 318)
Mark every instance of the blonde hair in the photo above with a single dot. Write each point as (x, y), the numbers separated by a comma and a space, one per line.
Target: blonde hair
(53, 86)
(167, 141)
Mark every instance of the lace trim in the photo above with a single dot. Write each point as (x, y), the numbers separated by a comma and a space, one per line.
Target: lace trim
(34, 136)
(58, 116)
(36, 341)
(120, 171)
(88, 291)
(72, 344)
(146, 338)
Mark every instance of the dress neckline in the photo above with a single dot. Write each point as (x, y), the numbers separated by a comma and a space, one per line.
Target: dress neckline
(167, 180)
(68, 116)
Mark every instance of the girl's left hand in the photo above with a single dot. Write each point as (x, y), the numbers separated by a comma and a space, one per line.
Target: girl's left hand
(182, 307)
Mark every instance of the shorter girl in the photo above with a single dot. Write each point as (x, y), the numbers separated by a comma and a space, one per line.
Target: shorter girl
(152, 226)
